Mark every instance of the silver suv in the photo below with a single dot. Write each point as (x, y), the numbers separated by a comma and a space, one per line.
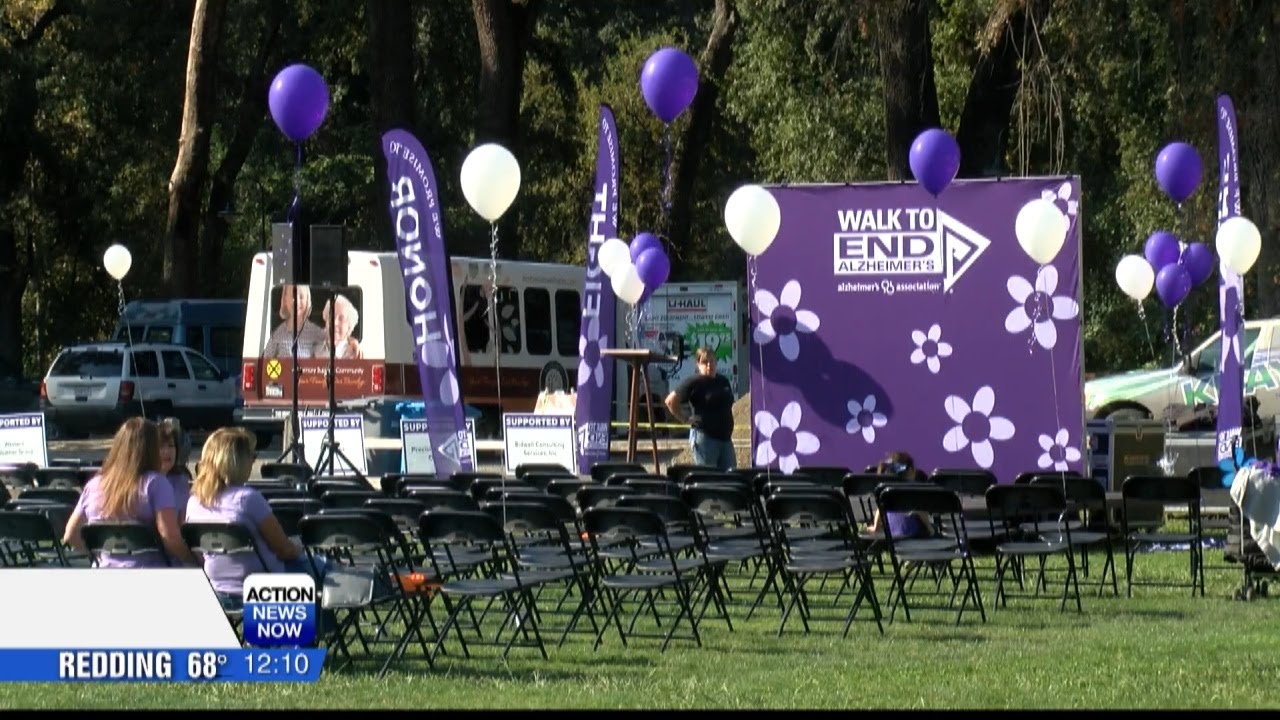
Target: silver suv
(91, 388)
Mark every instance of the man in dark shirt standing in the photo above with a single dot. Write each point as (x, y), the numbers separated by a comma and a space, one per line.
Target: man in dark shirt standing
(711, 423)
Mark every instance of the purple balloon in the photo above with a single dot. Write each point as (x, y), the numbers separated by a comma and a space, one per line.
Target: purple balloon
(1173, 282)
(643, 242)
(1198, 260)
(934, 159)
(1178, 170)
(1161, 249)
(653, 266)
(668, 82)
(299, 100)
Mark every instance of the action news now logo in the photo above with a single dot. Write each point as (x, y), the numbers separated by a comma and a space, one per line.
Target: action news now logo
(280, 609)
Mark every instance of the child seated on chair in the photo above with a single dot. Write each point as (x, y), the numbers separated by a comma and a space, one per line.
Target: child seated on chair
(902, 525)
(219, 494)
(130, 489)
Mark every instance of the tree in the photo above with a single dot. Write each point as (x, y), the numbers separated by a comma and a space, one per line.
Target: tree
(504, 29)
(391, 72)
(712, 65)
(187, 184)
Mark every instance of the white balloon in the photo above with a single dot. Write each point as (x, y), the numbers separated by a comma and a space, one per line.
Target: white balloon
(490, 180)
(1135, 276)
(1041, 229)
(627, 284)
(753, 217)
(117, 261)
(1238, 244)
(613, 255)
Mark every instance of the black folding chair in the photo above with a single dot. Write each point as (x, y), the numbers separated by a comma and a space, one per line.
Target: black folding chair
(677, 472)
(1173, 490)
(524, 469)
(273, 470)
(121, 538)
(948, 556)
(460, 586)
(1093, 528)
(227, 539)
(1034, 519)
(66, 496)
(630, 527)
(28, 539)
(846, 561)
(58, 477)
(601, 472)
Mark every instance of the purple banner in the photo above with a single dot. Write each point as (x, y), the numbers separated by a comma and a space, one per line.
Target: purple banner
(886, 320)
(1230, 288)
(595, 375)
(415, 216)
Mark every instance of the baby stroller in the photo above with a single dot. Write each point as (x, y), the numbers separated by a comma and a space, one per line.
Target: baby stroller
(1243, 549)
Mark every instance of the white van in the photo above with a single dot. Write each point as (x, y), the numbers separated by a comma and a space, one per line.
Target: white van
(539, 306)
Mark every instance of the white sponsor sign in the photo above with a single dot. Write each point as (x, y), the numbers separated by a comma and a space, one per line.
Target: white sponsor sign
(22, 440)
(416, 441)
(348, 435)
(539, 438)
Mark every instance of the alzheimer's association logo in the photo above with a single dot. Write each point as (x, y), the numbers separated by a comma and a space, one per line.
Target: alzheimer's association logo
(905, 241)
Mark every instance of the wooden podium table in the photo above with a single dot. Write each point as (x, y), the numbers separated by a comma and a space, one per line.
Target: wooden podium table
(639, 359)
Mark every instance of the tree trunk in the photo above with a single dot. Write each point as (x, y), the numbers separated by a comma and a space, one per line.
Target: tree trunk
(17, 138)
(906, 71)
(187, 184)
(1010, 44)
(712, 65)
(1259, 140)
(391, 72)
(504, 28)
(249, 116)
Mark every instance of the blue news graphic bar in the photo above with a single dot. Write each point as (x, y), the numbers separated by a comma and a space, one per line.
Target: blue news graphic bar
(162, 665)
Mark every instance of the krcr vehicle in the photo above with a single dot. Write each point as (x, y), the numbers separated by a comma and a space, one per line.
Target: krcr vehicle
(94, 387)
(1177, 392)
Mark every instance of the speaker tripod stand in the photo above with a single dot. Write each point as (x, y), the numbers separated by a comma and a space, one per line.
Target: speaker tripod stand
(330, 451)
(294, 452)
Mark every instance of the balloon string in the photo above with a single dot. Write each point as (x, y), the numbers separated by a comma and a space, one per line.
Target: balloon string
(1142, 317)
(128, 336)
(752, 272)
(495, 333)
(296, 202)
(666, 179)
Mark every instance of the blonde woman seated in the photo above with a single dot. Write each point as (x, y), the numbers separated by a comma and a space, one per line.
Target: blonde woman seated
(219, 494)
(130, 488)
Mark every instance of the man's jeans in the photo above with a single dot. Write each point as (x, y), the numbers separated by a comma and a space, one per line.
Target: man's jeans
(711, 452)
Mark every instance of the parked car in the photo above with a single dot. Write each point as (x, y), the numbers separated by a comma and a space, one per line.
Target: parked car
(1189, 390)
(94, 387)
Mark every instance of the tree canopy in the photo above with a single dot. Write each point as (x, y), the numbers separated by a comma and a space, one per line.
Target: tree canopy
(146, 123)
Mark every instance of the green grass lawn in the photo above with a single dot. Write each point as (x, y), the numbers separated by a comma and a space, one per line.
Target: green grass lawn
(1160, 649)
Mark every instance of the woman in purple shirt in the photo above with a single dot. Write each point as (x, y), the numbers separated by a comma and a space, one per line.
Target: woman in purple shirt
(902, 525)
(175, 448)
(219, 494)
(129, 489)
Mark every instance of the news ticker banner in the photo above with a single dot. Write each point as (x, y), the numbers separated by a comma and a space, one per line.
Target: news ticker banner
(162, 665)
(539, 438)
(166, 625)
(22, 439)
(348, 435)
(415, 434)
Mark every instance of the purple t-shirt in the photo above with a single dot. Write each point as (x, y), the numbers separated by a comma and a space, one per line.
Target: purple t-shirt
(243, 506)
(154, 494)
(180, 481)
(905, 525)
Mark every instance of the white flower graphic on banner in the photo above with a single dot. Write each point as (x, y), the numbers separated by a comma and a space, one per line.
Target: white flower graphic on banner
(865, 418)
(1056, 451)
(590, 362)
(783, 440)
(438, 354)
(784, 319)
(929, 348)
(975, 426)
(1062, 198)
(1039, 307)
